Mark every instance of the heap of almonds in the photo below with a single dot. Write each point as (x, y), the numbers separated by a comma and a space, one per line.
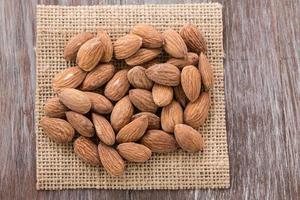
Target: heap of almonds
(130, 113)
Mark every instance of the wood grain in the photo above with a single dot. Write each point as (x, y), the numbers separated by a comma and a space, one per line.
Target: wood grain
(262, 80)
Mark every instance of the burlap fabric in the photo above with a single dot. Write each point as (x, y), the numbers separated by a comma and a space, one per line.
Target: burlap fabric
(57, 165)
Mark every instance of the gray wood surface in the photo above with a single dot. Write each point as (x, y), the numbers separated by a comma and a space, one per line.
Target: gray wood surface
(262, 77)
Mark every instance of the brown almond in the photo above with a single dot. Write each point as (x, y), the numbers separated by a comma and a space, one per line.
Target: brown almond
(191, 82)
(126, 46)
(86, 150)
(159, 141)
(150, 63)
(188, 138)
(107, 45)
(138, 79)
(54, 108)
(81, 123)
(103, 128)
(134, 152)
(171, 115)
(162, 94)
(58, 130)
(191, 59)
(142, 56)
(75, 100)
(174, 44)
(180, 95)
(164, 74)
(100, 104)
(206, 72)
(152, 38)
(193, 38)
(142, 100)
(153, 120)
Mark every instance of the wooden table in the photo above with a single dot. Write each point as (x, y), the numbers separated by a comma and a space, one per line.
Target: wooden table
(262, 80)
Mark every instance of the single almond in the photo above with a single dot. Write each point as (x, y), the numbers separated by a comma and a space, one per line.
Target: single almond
(153, 120)
(75, 100)
(152, 38)
(81, 123)
(142, 100)
(138, 79)
(142, 56)
(58, 130)
(193, 38)
(118, 86)
(206, 72)
(126, 46)
(111, 160)
(100, 104)
(174, 44)
(133, 131)
(98, 77)
(54, 108)
(69, 78)
(75, 43)
(180, 95)
(196, 112)
(134, 152)
(164, 74)
(86, 150)
(159, 141)
(89, 54)
(191, 82)
(104, 130)
(191, 59)
(188, 138)
(162, 94)
(107, 45)
(171, 115)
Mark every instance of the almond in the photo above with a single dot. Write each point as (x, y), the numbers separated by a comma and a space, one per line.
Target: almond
(150, 63)
(159, 141)
(164, 74)
(103, 128)
(57, 129)
(174, 44)
(153, 120)
(90, 54)
(191, 82)
(75, 43)
(86, 150)
(142, 100)
(142, 56)
(180, 95)
(196, 112)
(162, 95)
(107, 45)
(134, 152)
(126, 46)
(81, 123)
(68, 78)
(133, 131)
(188, 138)
(171, 115)
(111, 160)
(54, 108)
(100, 104)
(193, 38)
(118, 86)
(191, 59)
(152, 38)
(121, 113)
(75, 100)
(206, 72)
(98, 77)
(138, 79)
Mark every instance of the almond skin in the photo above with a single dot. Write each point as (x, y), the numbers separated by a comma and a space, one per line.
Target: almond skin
(159, 141)
(89, 54)
(133, 131)
(191, 82)
(107, 45)
(118, 86)
(180, 96)
(98, 77)
(162, 95)
(81, 123)
(188, 138)
(75, 100)
(134, 152)
(193, 38)
(142, 56)
(206, 72)
(174, 44)
(58, 130)
(54, 108)
(196, 112)
(86, 150)
(75, 43)
(100, 104)
(69, 78)
(153, 120)
(126, 46)
(171, 115)
(152, 38)
(104, 130)
(111, 160)
(121, 113)
(191, 59)
(151, 63)
(142, 100)
(164, 74)
(138, 79)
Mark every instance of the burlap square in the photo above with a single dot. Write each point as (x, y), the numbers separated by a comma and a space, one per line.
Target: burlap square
(57, 165)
